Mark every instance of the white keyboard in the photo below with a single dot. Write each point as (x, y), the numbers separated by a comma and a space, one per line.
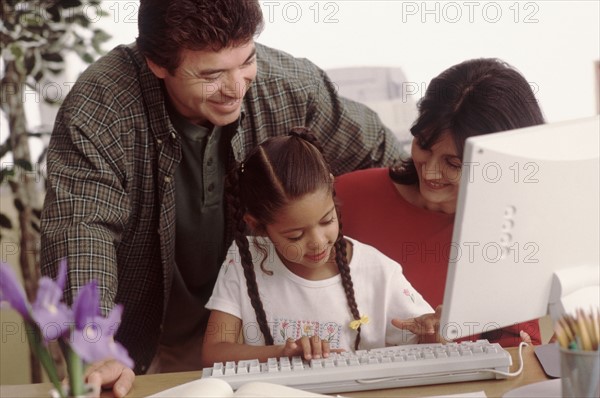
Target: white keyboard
(390, 367)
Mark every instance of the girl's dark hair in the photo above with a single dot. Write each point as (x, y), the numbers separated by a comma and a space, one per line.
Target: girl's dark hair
(475, 97)
(168, 26)
(277, 172)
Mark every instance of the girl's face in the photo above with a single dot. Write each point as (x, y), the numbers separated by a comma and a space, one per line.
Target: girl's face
(304, 234)
(439, 170)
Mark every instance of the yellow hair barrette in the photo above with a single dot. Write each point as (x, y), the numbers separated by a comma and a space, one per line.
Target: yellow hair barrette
(355, 324)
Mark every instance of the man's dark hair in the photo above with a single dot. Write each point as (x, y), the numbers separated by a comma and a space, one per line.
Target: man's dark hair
(168, 26)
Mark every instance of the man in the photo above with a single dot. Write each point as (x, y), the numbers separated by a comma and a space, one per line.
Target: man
(139, 152)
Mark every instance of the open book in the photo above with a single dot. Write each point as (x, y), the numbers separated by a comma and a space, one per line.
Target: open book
(215, 387)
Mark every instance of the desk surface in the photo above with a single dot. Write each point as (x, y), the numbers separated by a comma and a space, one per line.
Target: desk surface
(150, 384)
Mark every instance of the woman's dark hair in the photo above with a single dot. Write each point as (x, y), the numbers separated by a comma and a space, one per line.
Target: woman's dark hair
(277, 172)
(475, 97)
(168, 26)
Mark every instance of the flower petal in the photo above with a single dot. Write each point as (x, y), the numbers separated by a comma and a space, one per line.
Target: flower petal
(61, 277)
(55, 323)
(95, 342)
(12, 292)
(87, 304)
(53, 317)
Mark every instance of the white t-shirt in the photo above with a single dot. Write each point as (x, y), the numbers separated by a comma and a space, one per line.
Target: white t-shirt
(296, 307)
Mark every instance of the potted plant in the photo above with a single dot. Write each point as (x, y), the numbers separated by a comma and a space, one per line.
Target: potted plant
(35, 37)
(83, 335)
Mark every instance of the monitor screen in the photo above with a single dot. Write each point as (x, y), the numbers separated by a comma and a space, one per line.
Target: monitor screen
(528, 206)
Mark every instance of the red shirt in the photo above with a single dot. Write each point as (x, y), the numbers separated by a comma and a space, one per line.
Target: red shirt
(374, 212)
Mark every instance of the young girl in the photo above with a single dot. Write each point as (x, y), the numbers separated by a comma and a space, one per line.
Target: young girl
(298, 286)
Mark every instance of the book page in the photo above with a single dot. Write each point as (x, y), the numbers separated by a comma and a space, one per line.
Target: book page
(209, 387)
(476, 394)
(261, 389)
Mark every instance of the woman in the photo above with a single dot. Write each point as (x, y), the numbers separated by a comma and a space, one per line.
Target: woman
(407, 211)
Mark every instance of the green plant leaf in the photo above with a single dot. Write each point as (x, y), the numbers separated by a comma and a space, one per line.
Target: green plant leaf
(55, 71)
(30, 63)
(18, 204)
(24, 164)
(37, 213)
(5, 222)
(5, 148)
(79, 19)
(87, 57)
(98, 39)
(54, 12)
(53, 57)
(16, 51)
(6, 173)
(38, 134)
(43, 355)
(101, 36)
(70, 3)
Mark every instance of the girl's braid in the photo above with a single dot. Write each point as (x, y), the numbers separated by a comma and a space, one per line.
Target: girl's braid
(341, 260)
(244, 248)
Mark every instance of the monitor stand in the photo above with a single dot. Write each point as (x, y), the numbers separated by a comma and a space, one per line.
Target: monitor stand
(549, 357)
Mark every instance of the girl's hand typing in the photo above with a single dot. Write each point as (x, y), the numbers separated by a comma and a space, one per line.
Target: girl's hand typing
(308, 348)
(425, 326)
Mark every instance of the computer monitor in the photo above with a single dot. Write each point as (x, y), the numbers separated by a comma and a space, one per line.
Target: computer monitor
(527, 218)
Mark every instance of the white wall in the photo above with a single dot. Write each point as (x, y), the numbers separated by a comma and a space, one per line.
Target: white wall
(553, 43)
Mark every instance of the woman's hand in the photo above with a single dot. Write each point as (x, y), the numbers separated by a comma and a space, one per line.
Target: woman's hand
(525, 337)
(425, 326)
(308, 348)
(110, 374)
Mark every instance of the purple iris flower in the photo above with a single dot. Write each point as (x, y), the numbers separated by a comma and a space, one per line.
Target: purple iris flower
(49, 312)
(87, 304)
(12, 292)
(92, 336)
(95, 340)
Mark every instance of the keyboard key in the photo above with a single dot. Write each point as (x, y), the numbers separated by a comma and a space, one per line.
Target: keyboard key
(284, 364)
(242, 367)
(272, 365)
(254, 366)
(297, 364)
(229, 368)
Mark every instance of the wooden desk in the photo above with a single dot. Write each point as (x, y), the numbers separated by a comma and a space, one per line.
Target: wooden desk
(150, 384)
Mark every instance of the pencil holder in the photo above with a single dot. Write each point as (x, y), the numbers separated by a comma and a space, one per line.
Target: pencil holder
(580, 373)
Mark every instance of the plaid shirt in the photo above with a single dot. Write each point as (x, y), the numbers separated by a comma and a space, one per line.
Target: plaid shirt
(110, 203)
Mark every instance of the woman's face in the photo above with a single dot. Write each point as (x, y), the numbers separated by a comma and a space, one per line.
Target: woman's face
(439, 170)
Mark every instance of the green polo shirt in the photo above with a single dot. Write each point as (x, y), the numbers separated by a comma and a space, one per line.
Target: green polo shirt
(200, 226)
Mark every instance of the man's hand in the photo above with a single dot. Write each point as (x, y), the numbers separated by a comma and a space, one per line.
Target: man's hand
(110, 374)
